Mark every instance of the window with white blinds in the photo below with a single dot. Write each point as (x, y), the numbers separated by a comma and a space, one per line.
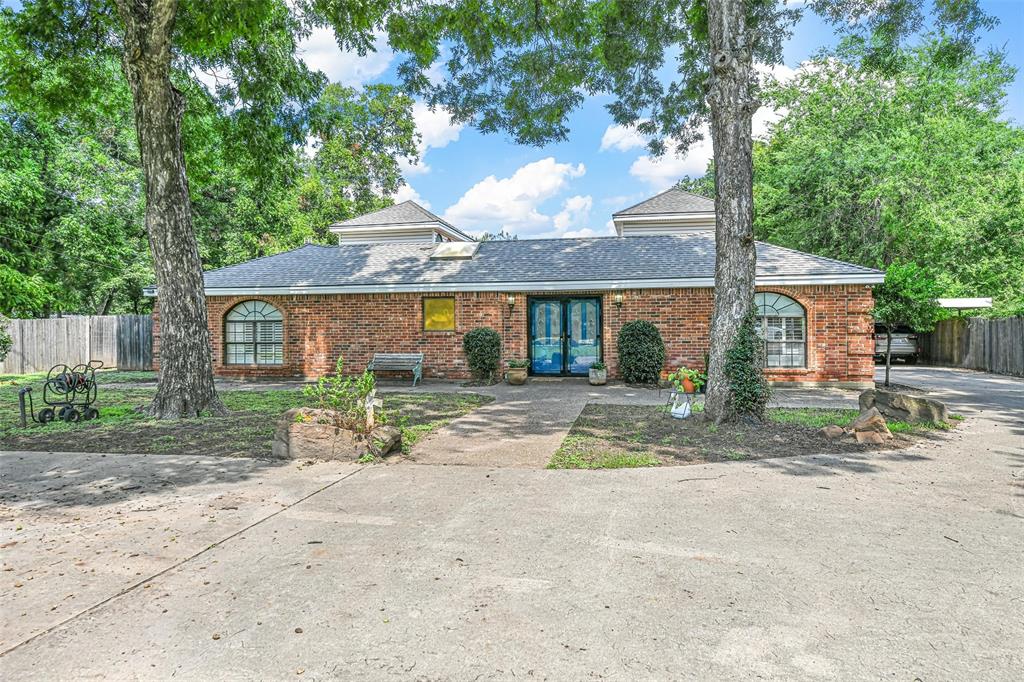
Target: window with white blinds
(782, 323)
(254, 334)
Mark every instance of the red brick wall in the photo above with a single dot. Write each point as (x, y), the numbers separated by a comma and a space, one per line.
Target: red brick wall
(319, 328)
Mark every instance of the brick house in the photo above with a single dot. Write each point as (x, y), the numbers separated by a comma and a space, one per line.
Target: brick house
(403, 280)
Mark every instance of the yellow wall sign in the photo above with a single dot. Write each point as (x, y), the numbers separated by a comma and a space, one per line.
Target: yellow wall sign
(439, 314)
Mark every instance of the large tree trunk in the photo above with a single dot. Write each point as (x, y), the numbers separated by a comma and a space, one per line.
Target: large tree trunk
(732, 107)
(186, 372)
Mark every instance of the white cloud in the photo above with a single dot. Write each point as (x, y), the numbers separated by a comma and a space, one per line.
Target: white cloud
(513, 203)
(575, 212)
(320, 51)
(579, 234)
(435, 126)
(621, 138)
(409, 168)
(436, 132)
(779, 72)
(663, 171)
(437, 72)
(608, 230)
(765, 117)
(407, 193)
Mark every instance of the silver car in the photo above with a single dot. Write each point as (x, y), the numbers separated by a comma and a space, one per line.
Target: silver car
(904, 344)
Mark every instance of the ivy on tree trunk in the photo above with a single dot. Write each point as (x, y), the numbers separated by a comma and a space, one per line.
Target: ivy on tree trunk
(186, 385)
(731, 109)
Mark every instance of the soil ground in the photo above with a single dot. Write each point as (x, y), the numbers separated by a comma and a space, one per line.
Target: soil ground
(247, 432)
(620, 436)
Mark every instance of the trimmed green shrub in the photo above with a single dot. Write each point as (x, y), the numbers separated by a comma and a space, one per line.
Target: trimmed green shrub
(482, 347)
(641, 352)
(744, 370)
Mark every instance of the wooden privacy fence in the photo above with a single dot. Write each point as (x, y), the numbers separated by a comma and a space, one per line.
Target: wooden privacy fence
(122, 341)
(977, 343)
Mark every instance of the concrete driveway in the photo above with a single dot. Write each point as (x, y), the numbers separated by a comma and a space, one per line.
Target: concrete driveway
(908, 565)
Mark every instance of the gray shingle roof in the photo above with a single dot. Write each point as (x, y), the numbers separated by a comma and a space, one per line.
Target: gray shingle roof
(672, 200)
(405, 213)
(534, 260)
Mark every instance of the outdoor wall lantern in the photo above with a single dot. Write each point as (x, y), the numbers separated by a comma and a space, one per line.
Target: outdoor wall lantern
(618, 299)
(511, 300)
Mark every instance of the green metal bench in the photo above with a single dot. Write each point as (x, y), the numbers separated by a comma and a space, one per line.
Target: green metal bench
(398, 362)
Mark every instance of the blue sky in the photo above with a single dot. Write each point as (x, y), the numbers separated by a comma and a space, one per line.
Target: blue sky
(487, 183)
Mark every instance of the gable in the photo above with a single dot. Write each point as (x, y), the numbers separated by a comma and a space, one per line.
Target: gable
(674, 211)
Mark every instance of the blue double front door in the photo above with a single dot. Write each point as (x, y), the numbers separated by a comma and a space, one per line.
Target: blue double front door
(565, 335)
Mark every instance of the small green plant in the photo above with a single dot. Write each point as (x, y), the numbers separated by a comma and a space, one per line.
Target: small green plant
(366, 458)
(567, 459)
(641, 352)
(811, 417)
(344, 396)
(744, 370)
(518, 364)
(735, 455)
(482, 347)
(598, 366)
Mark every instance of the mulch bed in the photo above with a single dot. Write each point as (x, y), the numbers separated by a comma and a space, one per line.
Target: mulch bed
(610, 431)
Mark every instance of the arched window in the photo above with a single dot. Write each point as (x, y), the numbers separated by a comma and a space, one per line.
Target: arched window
(782, 323)
(254, 334)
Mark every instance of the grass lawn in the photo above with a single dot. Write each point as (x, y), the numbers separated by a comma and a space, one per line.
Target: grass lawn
(103, 377)
(618, 436)
(246, 432)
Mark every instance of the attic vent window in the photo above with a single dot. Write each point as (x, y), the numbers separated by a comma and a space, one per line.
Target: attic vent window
(455, 251)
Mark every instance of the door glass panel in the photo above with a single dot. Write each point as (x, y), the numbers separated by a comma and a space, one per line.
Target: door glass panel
(584, 334)
(546, 337)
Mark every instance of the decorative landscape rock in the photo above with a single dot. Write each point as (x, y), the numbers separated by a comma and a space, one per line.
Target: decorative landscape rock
(833, 432)
(307, 433)
(870, 437)
(870, 421)
(385, 439)
(903, 406)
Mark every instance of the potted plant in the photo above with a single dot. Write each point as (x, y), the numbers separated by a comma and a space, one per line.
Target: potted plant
(516, 374)
(598, 374)
(687, 380)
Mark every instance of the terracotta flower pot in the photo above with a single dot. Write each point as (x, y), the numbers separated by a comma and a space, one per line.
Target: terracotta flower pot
(517, 376)
(688, 386)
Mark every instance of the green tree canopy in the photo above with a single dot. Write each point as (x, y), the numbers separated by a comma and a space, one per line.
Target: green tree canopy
(912, 165)
(71, 199)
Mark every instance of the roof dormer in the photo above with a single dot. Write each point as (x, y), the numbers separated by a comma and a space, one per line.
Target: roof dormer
(674, 211)
(404, 222)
